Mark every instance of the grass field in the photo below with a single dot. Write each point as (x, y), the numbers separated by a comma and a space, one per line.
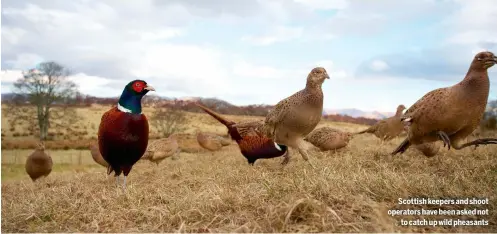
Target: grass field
(350, 190)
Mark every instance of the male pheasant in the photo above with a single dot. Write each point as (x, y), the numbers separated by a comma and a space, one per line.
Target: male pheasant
(252, 144)
(123, 130)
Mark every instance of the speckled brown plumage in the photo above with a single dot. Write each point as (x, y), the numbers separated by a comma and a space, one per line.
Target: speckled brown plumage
(252, 144)
(297, 115)
(209, 141)
(97, 157)
(389, 128)
(39, 163)
(326, 138)
(161, 149)
(452, 113)
(428, 149)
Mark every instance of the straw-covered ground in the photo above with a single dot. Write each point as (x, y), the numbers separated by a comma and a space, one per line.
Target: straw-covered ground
(349, 191)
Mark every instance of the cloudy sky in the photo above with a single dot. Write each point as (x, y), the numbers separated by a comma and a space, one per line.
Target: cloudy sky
(379, 53)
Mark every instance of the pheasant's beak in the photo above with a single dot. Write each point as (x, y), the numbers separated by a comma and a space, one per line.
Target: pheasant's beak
(495, 59)
(149, 88)
(327, 76)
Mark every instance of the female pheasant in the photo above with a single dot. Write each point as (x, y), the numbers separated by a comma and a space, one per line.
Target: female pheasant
(211, 141)
(161, 149)
(252, 144)
(123, 130)
(39, 163)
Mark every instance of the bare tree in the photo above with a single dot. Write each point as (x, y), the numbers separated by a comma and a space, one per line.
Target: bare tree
(44, 87)
(169, 121)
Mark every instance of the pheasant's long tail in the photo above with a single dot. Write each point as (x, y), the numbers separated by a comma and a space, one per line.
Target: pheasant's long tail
(219, 118)
(369, 130)
(109, 170)
(402, 147)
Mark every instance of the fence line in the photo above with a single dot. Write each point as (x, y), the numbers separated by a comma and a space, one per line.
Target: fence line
(17, 157)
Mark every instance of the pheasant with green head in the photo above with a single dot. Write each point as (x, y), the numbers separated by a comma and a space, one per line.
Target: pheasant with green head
(123, 130)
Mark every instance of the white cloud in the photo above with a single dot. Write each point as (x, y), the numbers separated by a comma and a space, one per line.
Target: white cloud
(161, 34)
(327, 64)
(474, 37)
(330, 68)
(378, 65)
(12, 35)
(278, 34)
(91, 84)
(361, 17)
(324, 4)
(248, 70)
(192, 67)
(473, 23)
(11, 76)
(24, 61)
(340, 74)
(245, 69)
(127, 40)
(109, 43)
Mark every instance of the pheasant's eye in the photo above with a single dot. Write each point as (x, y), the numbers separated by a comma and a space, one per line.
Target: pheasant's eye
(137, 84)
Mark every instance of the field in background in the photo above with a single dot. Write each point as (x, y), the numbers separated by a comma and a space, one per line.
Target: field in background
(17, 135)
(350, 190)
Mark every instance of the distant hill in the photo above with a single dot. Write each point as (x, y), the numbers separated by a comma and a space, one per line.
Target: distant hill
(359, 113)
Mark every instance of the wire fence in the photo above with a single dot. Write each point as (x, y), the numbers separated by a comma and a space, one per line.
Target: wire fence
(75, 157)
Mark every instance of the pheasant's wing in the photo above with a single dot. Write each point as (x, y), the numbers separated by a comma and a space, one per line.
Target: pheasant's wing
(152, 145)
(170, 149)
(280, 111)
(427, 98)
(311, 137)
(249, 128)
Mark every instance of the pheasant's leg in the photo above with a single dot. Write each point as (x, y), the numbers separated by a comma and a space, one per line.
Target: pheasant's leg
(286, 158)
(303, 151)
(382, 143)
(126, 171)
(476, 143)
(304, 154)
(402, 147)
(124, 183)
(445, 138)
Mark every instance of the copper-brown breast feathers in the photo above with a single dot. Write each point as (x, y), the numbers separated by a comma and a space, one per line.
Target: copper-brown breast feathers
(122, 137)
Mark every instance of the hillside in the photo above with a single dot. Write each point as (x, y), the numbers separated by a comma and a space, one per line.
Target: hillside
(221, 106)
(356, 113)
(20, 133)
